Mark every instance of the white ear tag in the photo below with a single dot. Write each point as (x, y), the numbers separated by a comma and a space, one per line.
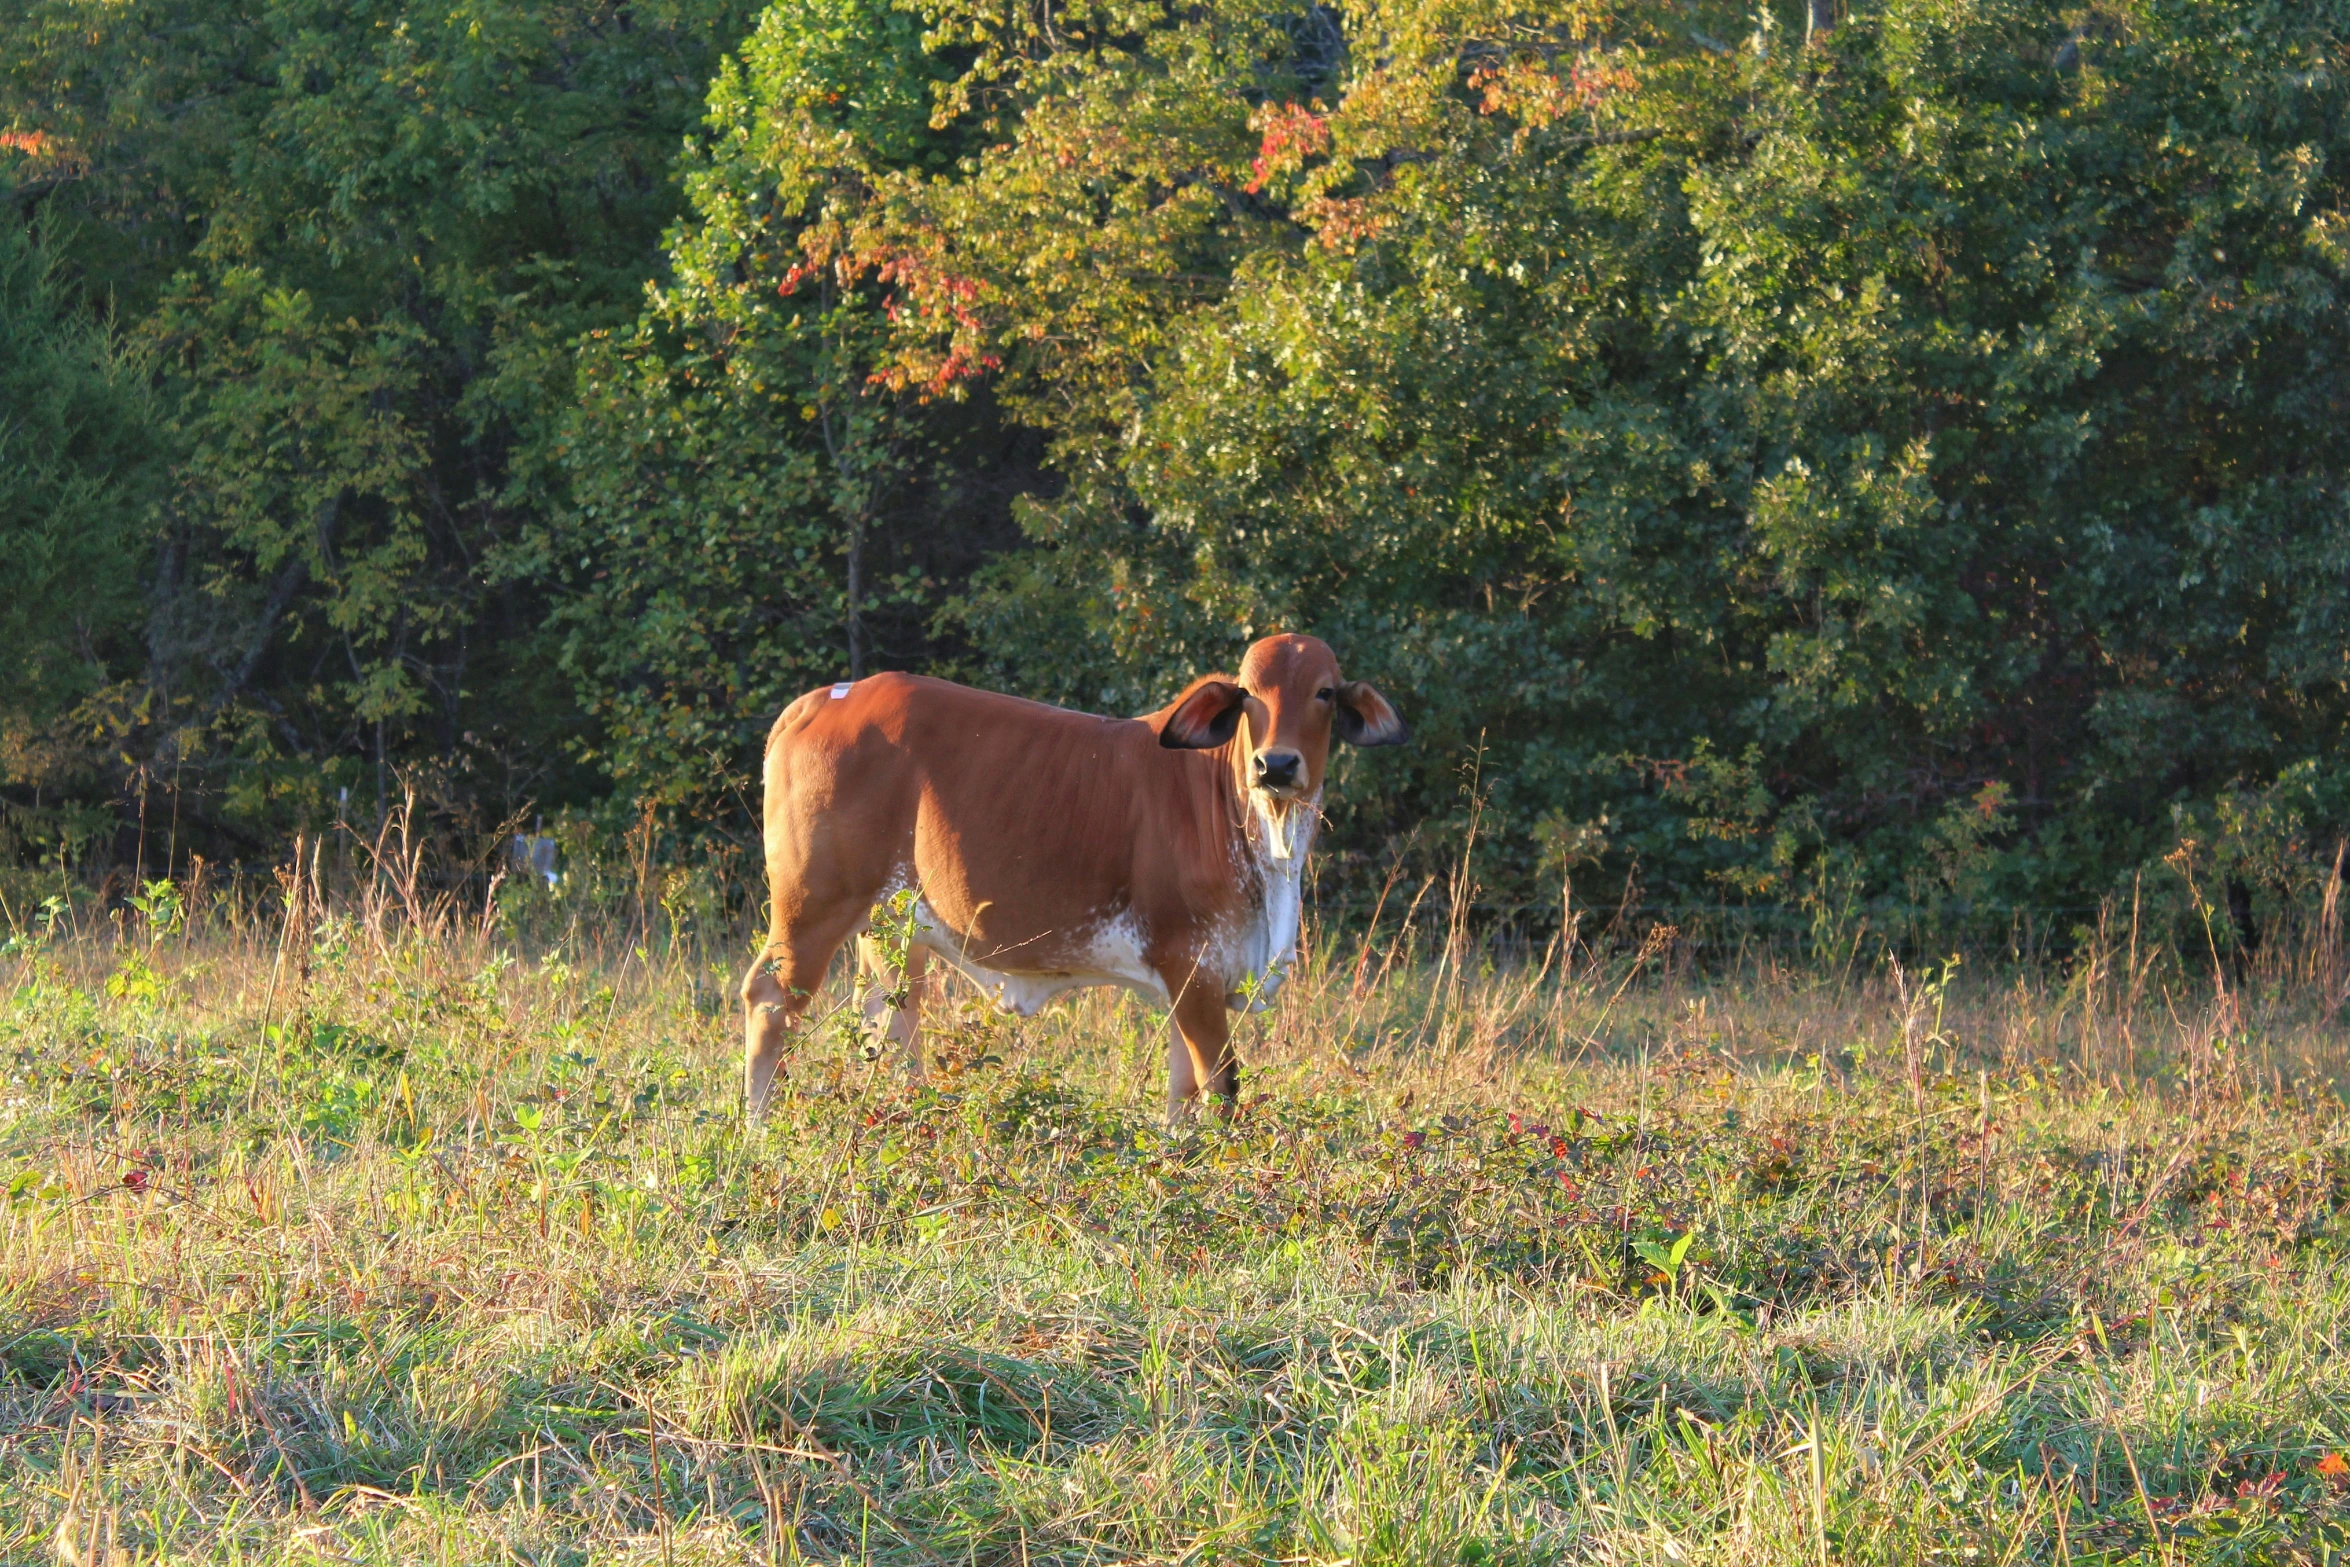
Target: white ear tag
(840, 690)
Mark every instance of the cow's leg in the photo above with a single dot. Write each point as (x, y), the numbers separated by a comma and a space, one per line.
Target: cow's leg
(782, 981)
(1204, 1030)
(905, 1020)
(1182, 1081)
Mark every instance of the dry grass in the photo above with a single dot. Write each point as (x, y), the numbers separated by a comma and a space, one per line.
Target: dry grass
(380, 1234)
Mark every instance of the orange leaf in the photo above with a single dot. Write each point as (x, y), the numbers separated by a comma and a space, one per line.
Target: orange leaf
(2334, 1466)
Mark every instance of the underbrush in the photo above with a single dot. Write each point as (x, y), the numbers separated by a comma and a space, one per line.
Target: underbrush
(351, 1241)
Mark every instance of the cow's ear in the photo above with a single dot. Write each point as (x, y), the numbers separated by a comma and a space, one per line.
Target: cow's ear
(1366, 718)
(1204, 716)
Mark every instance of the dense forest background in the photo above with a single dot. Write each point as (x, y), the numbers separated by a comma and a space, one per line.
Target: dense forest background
(1838, 461)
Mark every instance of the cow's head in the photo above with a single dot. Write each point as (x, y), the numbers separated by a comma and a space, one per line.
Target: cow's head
(1286, 706)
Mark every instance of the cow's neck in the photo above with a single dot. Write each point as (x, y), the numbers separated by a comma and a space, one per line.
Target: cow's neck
(1273, 840)
(1278, 836)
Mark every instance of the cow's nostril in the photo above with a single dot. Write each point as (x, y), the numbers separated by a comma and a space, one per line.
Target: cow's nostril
(1276, 768)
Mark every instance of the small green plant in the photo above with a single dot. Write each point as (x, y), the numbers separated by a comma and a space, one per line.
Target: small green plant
(45, 922)
(893, 928)
(138, 977)
(163, 908)
(891, 931)
(1667, 1260)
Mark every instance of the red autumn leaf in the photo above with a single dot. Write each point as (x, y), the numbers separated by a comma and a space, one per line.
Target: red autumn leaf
(1292, 133)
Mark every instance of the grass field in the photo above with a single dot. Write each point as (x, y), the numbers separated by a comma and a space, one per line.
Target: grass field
(384, 1238)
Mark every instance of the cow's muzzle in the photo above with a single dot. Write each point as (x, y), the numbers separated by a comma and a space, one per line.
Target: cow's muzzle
(1277, 772)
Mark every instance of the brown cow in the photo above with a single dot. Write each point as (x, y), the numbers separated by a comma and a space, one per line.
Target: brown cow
(1049, 850)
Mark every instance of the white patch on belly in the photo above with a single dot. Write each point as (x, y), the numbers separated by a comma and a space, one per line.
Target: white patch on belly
(1109, 953)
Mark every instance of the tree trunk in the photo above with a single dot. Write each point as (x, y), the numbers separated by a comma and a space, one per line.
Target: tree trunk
(856, 598)
(1819, 19)
(281, 594)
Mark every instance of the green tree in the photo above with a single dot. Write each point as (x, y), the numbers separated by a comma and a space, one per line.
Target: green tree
(359, 242)
(1932, 413)
(1806, 459)
(757, 494)
(79, 484)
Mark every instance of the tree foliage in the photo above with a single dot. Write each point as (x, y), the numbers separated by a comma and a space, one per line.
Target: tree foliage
(744, 479)
(358, 242)
(1782, 465)
(77, 484)
(1899, 457)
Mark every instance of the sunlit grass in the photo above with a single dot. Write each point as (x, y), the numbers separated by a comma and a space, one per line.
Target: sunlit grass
(405, 1240)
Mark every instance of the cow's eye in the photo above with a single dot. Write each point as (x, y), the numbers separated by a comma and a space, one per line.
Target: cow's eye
(1325, 694)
